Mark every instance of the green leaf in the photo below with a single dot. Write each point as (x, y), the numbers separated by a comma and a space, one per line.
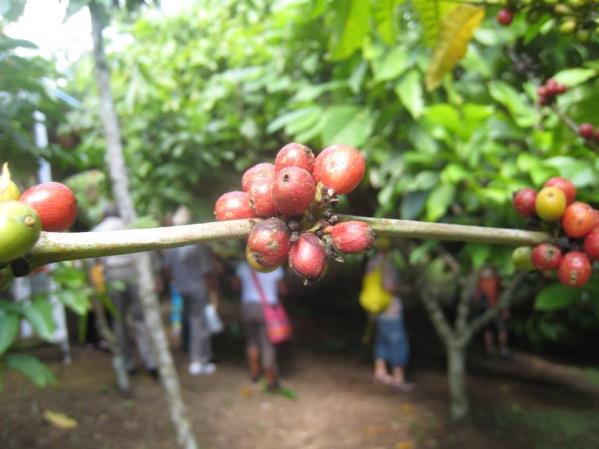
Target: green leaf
(39, 315)
(283, 120)
(555, 297)
(478, 254)
(393, 64)
(385, 19)
(439, 201)
(418, 254)
(352, 26)
(77, 301)
(32, 368)
(578, 171)
(574, 77)
(431, 13)
(456, 31)
(444, 115)
(346, 124)
(520, 109)
(9, 326)
(413, 205)
(409, 91)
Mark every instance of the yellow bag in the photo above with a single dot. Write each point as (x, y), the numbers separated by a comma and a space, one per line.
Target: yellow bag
(373, 297)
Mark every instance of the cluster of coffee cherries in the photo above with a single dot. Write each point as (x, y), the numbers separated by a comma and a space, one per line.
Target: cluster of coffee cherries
(549, 91)
(49, 206)
(570, 16)
(576, 241)
(295, 197)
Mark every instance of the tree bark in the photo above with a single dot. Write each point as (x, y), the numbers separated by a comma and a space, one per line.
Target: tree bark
(456, 377)
(120, 187)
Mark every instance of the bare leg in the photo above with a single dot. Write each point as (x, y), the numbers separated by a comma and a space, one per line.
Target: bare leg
(398, 375)
(253, 362)
(489, 345)
(380, 371)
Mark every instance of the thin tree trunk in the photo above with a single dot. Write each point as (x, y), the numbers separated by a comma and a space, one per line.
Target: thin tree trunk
(118, 358)
(120, 187)
(456, 376)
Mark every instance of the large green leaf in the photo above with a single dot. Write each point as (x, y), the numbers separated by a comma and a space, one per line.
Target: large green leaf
(431, 13)
(391, 65)
(385, 19)
(9, 326)
(456, 31)
(439, 201)
(32, 368)
(521, 111)
(574, 77)
(76, 300)
(578, 171)
(39, 315)
(352, 26)
(409, 91)
(350, 125)
(555, 297)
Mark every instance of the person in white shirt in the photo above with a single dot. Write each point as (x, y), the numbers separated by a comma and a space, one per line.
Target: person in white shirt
(254, 285)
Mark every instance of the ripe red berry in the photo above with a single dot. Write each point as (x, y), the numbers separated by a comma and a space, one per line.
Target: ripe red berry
(578, 219)
(552, 87)
(524, 202)
(565, 185)
(268, 243)
(561, 89)
(340, 167)
(54, 202)
(308, 257)
(591, 244)
(293, 191)
(546, 256)
(574, 269)
(295, 155)
(233, 206)
(262, 170)
(505, 16)
(543, 100)
(261, 198)
(542, 91)
(586, 130)
(352, 237)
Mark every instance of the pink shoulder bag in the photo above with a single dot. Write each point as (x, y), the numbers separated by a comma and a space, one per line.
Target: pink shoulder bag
(277, 322)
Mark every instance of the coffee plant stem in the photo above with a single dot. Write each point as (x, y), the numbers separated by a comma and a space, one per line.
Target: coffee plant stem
(574, 127)
(54, 247)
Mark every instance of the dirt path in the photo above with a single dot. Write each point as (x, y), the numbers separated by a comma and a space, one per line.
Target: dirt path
(338, 407)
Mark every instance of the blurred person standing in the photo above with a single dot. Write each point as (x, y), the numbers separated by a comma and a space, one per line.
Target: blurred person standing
(488, 290)
(256, 288)
(391, 346)
(127, 302)
(191, 271)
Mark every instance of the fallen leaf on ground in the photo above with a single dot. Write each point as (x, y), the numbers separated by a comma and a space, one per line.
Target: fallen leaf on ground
(59, 420)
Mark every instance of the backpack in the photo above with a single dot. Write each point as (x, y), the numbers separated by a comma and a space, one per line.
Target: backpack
(373, 297)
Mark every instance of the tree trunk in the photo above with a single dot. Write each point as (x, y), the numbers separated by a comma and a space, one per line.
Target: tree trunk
(120, 188)
(456, 376)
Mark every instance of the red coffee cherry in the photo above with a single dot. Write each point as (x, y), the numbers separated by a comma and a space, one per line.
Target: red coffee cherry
(574, 269)
(233, 206)
(546, 256)
(578, 219)
(268, 243)
(261, 198)
(308, 257)
(352, 237)
(591, 244)
(293, 191)
(524, 202)
(505, 17)
(55, 204)
(552, 87)
(586, 130)
(295, 155)
(262, 170)
(340, 167)
(565, 185)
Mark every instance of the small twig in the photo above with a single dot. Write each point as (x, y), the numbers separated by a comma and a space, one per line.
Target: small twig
(464, 304)
(573, 126)
(437, 317)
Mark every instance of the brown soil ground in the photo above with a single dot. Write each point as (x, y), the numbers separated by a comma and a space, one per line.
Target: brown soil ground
(338, 407)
